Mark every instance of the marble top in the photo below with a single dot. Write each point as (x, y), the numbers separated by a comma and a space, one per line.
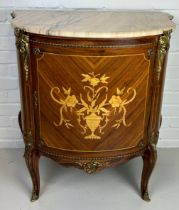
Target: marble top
(93, 23)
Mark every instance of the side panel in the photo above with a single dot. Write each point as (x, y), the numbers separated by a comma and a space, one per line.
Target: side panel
(26, 115)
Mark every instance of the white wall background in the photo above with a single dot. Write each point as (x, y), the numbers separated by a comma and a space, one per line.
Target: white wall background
(10, 135)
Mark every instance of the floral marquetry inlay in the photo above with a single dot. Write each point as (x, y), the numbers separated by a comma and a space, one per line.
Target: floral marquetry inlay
(93, 111)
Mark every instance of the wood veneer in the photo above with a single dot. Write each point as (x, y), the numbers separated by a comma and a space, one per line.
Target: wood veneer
(46, 62)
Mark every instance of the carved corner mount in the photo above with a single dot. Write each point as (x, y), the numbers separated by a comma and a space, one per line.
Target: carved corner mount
(163, 46)
(22, 43)
(90, 167)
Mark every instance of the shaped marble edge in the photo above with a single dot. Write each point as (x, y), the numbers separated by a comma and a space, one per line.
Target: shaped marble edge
(93, 23)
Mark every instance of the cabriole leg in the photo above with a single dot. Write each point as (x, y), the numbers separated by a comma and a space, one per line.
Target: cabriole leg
(32, 162)
(149, 160)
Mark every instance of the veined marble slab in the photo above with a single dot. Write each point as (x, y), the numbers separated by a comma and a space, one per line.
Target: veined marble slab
(93, 23)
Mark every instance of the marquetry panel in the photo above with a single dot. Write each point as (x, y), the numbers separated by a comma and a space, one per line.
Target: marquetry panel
(92, 103)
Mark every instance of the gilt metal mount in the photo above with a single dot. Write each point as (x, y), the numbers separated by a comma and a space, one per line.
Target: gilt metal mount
(90, 167)
(22, 43)
(163, 46)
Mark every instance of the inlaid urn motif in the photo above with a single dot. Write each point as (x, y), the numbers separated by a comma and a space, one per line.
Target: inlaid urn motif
(91, 112)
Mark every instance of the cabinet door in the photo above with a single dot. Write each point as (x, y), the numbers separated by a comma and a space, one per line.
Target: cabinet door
(93, 100)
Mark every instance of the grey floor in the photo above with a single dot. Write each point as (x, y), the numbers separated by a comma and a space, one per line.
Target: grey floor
(71, 189)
